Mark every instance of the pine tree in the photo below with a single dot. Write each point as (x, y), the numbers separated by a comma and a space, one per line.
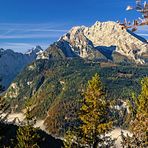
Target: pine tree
(27, 135)
(142, 101)
(94, 115)
(139, 125)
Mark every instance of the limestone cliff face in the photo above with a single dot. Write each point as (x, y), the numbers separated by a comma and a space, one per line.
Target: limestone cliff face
(81, 44)
(87, 41)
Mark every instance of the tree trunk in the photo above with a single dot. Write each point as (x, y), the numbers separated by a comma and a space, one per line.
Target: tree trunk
(96, 142)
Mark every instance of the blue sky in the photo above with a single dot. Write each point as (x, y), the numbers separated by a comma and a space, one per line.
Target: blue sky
(26, 23)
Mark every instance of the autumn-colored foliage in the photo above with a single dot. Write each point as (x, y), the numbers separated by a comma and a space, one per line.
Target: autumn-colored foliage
(139, 125)
(94, 114)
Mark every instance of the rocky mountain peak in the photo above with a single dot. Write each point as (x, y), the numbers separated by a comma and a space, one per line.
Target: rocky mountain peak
(86, 41)
(34, 50)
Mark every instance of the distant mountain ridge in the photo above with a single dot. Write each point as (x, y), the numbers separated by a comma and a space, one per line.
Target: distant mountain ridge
(11, 63)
